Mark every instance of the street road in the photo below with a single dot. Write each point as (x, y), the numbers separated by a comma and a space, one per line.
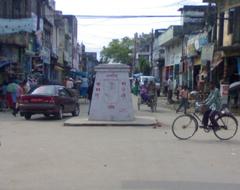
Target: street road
(42, 154)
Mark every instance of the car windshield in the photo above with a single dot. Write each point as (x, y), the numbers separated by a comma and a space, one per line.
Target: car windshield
(44, 90)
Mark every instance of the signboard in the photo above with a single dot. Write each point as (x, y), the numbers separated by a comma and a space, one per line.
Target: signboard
(224, 93)
(10, 26)
(207, 52)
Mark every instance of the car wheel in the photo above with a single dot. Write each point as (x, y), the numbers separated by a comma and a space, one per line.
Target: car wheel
(60, 113)
(76, 110)
(28, 116)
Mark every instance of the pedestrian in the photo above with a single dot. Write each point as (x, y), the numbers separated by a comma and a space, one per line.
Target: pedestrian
(25, 86)
(184, 99)
(170, 90)
(90, 92)
(69, 83)
(136, 87)
(15, 91)
(4, 96)
(177, 91)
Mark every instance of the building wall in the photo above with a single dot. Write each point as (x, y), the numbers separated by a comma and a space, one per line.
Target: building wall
(227, 38)
(173, 53)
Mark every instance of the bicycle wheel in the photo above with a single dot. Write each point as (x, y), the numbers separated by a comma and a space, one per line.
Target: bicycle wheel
(228, 127)
(184, 126)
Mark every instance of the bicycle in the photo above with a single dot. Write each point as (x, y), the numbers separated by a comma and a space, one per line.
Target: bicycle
(186, 125)
(152, 102)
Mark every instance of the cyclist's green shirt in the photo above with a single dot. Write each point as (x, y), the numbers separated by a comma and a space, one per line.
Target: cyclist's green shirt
(213, 100)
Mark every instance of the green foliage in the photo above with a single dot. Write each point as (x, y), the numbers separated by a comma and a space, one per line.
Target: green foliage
(144, 66)
(118, 51)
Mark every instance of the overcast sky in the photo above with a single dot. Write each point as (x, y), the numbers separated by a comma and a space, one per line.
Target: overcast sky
(96, 33)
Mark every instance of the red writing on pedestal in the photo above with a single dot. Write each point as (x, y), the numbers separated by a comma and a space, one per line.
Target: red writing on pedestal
(123, 95)
(124, 83)
(111, 107)
(123, 89)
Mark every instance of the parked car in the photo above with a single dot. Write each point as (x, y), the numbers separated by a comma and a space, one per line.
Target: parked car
(148, 79)
(49, 100)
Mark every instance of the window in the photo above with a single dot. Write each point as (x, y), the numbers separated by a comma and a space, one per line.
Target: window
(16, 8)
(3, 9)
(221, 27)
(64, 92)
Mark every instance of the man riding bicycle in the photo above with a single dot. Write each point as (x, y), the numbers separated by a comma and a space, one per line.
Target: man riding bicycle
(211, 106)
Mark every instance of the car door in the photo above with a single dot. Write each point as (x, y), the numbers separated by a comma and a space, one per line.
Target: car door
(73, 98)
(65, 99)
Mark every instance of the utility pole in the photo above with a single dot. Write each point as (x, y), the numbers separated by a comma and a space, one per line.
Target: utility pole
(151, 52)
(134, 52)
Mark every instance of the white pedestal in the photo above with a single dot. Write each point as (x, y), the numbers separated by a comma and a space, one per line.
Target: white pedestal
(111, 98)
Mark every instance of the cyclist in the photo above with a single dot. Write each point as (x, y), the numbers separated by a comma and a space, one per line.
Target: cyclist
(211, 106)
(144, 91)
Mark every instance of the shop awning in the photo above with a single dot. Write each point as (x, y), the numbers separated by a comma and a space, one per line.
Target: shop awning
(4, 63)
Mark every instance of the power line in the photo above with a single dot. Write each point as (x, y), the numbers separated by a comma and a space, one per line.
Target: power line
(130, 16)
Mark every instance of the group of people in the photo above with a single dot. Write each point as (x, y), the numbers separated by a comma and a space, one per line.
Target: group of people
(10, 92)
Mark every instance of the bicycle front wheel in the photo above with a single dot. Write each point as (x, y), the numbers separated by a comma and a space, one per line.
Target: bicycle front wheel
(184, 126)
(227, 127)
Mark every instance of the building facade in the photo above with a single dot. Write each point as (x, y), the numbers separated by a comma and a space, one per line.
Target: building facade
(36, 41)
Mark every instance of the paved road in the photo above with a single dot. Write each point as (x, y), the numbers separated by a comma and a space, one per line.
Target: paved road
(42, 154)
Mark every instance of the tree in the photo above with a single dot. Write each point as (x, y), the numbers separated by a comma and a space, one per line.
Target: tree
(144, 66)
(118, 51)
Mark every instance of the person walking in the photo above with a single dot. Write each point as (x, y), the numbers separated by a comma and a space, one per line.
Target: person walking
(15, 91)
(184, 99)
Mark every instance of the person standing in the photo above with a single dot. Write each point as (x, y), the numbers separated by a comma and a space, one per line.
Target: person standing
(184, 99)
(69, 83)
(170, 90)
(90, 92)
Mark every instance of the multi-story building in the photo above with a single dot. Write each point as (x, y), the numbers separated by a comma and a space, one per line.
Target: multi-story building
(172, 41)
(227, 51)
(158, 56)
(57, 56)
(91, 62)
(71, 41)
(19, 23)
(143, 49)
(196, 29)
(183, 45)
(36, 40)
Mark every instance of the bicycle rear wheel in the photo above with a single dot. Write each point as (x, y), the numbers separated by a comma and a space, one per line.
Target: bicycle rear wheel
(184, 126)
(227, 127)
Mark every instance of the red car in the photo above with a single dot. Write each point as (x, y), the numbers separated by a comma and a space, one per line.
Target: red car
(49, 100)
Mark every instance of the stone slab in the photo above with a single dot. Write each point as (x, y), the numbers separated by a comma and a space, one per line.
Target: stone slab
(84, 122)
